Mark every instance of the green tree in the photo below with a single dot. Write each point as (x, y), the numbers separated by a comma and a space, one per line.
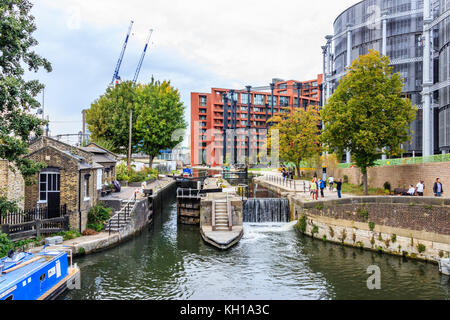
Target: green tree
(299, 135)
(17, 96)
(157, 113)
(161, 115)
(108, 119)
(368, 113)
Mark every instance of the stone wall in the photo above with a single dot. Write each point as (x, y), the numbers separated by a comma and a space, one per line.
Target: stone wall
(402, 176)
(413, 227)
(11, 184)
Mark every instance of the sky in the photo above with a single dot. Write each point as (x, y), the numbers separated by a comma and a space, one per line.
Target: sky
(196, 44)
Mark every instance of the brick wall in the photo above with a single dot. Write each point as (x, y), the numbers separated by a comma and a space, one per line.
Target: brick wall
(11, 184)
(402, 176)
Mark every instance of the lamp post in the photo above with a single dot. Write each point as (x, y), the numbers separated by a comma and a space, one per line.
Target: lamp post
(272, 87)
(249, 106)
(225, 127)
(299, 89)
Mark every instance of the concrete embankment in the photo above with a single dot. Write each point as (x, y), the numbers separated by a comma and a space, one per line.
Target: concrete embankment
(413, 227)
(141, 216)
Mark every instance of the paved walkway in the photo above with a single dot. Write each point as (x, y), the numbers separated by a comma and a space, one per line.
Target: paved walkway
(299, 187)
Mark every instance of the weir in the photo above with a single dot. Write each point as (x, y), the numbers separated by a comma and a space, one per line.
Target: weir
(266, 210)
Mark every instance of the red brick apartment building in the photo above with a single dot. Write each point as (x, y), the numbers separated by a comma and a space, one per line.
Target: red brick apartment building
(207, 115)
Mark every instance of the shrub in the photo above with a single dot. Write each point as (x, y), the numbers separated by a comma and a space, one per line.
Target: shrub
(324, 238)
(301, 224)
(5, 245)
(81, 251)
(97, 217)
(364, 214)
(387, 186)
(421, 248)
(319, 206)
(371, 226)
(331, 232)
(315, 229)
(394, 238)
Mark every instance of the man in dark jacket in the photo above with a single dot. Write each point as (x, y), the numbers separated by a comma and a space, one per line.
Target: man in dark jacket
(437, 188)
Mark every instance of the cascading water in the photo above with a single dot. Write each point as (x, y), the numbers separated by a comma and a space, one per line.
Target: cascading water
(266, 210)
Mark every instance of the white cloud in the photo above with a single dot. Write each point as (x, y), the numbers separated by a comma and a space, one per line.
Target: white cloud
(248, 40)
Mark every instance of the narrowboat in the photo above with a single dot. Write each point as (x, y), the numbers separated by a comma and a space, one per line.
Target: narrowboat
(38, 276)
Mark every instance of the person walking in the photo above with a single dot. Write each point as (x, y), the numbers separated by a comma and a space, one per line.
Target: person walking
(420, 188)
(313, 188)
(339, 188)
(437, 188)
(322, 187)
(331, 182)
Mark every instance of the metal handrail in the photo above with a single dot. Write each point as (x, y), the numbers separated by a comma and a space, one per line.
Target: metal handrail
(230, 217)
(125, 210)
(213, 216)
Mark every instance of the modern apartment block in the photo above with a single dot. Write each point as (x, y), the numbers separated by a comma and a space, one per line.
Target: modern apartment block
(207, 116)
(415, 35)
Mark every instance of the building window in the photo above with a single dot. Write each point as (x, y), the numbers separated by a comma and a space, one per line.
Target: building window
(259, 100)
(48, 182)
(99, 179)
(275, 100)
(86, 187)
(244, 98)
(284, 101)
(202, 101)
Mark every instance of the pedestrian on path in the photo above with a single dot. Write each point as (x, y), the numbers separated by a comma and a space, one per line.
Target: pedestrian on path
(420, 188)
(322, 186)
(437, 188)
(331, 182)
(339, 188)
(313, 188)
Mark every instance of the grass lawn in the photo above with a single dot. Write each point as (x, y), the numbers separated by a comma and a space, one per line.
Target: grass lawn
(359, 190)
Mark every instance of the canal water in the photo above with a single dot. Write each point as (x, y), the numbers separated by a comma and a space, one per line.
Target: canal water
(272, 261)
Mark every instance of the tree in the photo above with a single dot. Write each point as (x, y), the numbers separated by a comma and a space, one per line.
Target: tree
(367, 113)
(157, 113)
(299, 135)
(108, 118)
(162, 116)
(17, 96)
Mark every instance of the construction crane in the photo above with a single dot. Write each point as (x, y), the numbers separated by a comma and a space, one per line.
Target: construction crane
(119, 62)
(138, 70)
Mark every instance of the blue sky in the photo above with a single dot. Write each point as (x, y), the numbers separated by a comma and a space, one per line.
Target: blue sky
(196, 44)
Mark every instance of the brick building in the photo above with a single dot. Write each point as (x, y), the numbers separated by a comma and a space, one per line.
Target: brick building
(11, 184)
(74, 177)
(207, 117)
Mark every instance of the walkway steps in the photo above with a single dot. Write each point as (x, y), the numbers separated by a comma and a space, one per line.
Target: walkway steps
(223, 235)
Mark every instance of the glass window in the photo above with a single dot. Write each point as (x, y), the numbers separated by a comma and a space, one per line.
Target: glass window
(259, 99)
(86, 187)
(244, 98)
(275, 100)
(203, 101)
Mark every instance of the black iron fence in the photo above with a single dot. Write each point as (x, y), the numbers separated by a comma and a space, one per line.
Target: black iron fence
(24, 216)
(34, 223)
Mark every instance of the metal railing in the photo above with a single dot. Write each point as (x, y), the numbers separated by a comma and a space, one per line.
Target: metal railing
(403, 161)
(124, 213)
(188, 193)
(24, 216)
(296, 185)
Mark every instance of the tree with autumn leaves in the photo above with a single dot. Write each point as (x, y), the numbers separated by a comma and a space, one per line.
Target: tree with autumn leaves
(299, 135)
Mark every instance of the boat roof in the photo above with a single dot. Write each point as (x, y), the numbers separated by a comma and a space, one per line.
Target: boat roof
(17, 276)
